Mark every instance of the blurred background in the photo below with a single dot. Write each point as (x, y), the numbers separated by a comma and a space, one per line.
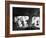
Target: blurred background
(2, 18)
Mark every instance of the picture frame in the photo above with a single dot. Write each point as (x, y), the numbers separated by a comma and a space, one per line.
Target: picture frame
(15, 9)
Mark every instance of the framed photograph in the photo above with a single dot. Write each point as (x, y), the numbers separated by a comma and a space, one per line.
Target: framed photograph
(24, 19)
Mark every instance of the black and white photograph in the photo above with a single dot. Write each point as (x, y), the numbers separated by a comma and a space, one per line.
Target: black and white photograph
(26, 18)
